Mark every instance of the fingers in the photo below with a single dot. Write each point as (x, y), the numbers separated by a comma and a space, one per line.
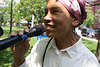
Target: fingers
(26, 30)
(12, 34)
(12, 48)
(21, 48)
(27, 40)
(19, 32)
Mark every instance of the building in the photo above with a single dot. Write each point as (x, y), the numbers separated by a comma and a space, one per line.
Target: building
(96, 7)
(88, 4)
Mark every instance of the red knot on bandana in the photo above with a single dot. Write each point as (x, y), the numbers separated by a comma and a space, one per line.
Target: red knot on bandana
(77, 8)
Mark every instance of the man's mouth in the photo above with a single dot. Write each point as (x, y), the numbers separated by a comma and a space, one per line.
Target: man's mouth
(48, 27)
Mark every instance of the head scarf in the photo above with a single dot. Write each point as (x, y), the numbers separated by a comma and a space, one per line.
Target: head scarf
(76, 8)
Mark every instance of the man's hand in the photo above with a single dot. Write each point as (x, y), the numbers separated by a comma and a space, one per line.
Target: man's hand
(20, 49)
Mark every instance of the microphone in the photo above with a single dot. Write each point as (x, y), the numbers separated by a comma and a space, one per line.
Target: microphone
(10, 41)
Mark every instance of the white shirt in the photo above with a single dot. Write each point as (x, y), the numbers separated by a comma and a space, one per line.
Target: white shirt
(75, 56)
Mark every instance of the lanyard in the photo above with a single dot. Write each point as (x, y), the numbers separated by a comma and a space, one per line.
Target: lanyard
(45, 51)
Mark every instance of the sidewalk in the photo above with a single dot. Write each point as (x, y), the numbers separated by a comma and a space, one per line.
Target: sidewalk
(91, 39)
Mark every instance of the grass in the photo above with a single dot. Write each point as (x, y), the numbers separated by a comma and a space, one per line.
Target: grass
(7, 28)
(92, 46)
(6, 56)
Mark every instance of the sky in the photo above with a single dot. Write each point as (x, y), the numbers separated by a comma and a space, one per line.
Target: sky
(15, 0)
(0, 1)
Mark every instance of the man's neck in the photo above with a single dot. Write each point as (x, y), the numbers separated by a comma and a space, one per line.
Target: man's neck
(66, 41)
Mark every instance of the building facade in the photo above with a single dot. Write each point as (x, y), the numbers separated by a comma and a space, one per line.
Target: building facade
(88, 4)
(96, 8)
(94, 5)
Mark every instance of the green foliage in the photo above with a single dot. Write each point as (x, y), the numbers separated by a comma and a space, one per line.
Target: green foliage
(35, 7)
(90, 18)
(5, 12)
(99, 14)
(1, 15)
(27, 8)
(6, 17)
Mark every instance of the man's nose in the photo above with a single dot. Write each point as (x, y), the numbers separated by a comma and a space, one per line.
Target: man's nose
(48, 17)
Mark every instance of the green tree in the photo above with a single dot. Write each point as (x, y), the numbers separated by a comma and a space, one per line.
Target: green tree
(35, 7)
(1, 16)
(90, 19)
(16, 15)
(27, 8)
(8, 8)
(5, 12)
(99, 14)
(6, 17)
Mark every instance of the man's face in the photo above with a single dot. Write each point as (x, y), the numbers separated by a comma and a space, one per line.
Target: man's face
(58, 21)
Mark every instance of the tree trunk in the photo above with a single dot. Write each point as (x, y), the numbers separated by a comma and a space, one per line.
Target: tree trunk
(1, 21)
(28, 25)
(98, 48)
(11, 17)
(1, 24)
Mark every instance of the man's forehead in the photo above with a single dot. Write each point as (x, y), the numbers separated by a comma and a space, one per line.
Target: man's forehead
(51, 1)
(53, 5)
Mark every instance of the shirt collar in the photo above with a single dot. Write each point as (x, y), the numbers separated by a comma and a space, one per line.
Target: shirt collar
(53, 44)
(71, 51)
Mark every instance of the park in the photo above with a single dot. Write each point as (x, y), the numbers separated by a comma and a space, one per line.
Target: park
(31, 13)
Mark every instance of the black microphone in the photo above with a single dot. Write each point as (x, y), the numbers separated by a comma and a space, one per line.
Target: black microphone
(10, 41)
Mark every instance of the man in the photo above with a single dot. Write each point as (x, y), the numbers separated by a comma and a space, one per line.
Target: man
(62, 48)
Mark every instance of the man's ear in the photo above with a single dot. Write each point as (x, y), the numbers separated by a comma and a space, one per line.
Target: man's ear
(75, 22)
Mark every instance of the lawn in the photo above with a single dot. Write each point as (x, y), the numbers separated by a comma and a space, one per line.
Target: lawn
(92, 46)
(6, 56)
(7, 28)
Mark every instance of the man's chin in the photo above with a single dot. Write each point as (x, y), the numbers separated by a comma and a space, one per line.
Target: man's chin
(48, 35)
